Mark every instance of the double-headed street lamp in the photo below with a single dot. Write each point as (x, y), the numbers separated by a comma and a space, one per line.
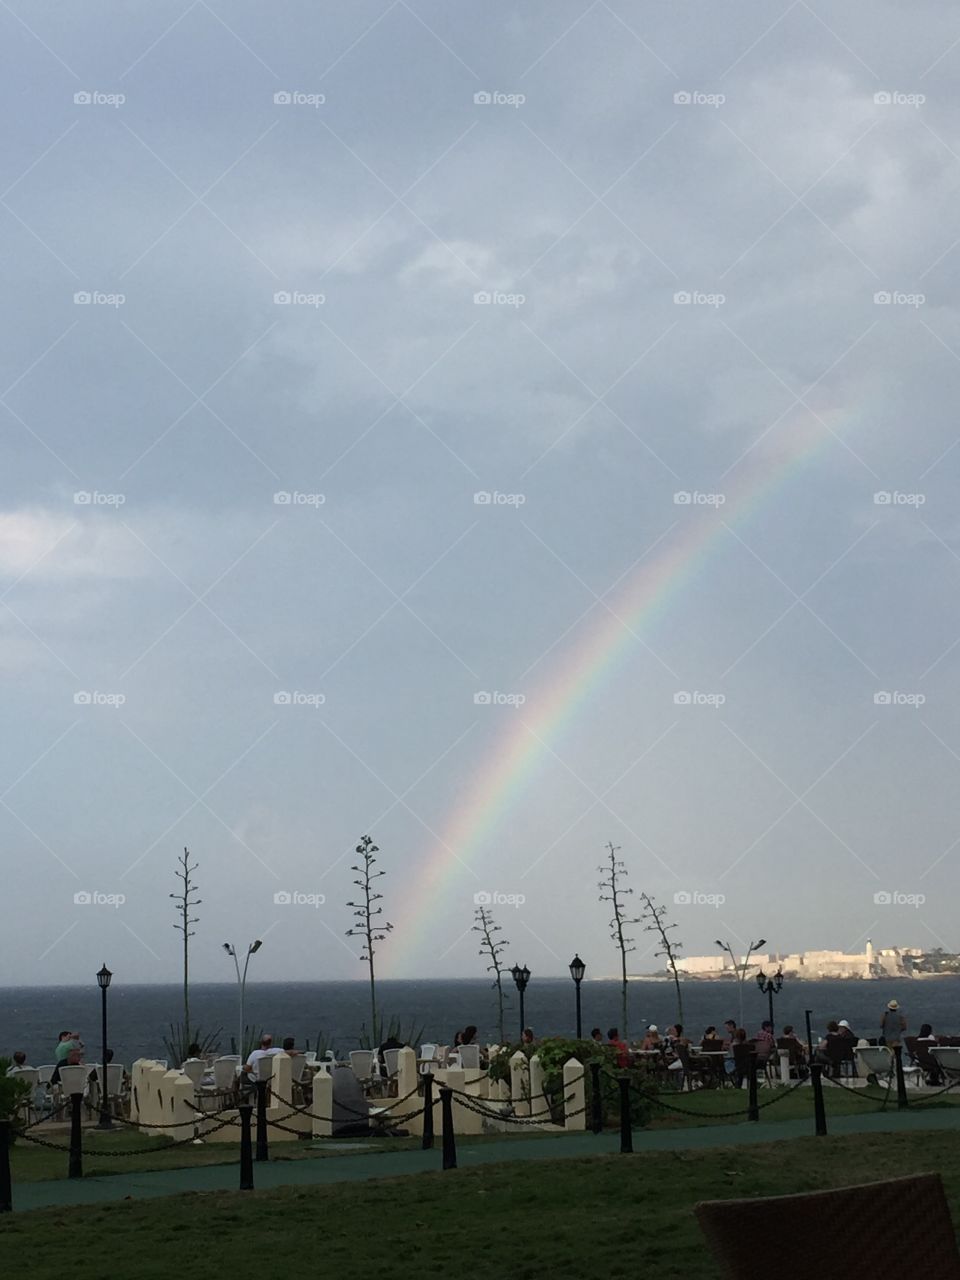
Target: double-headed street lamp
(231, 950)
(770, 987)
(521, 976)
(577, 970)
(103, 982)
(741, 970)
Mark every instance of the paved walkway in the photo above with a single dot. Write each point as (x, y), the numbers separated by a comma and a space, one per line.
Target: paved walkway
(389, 1164)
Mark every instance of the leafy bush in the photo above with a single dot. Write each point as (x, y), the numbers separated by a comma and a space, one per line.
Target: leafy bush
(13, 1092)
(554, 1053)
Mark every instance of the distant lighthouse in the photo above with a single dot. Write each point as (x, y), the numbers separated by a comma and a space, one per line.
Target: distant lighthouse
(868, 966)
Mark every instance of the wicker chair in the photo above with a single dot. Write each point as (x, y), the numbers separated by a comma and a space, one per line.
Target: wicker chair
(865, 1230)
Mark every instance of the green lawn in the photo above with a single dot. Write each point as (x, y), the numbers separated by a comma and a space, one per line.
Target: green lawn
(617, 1215)
(31, 1163)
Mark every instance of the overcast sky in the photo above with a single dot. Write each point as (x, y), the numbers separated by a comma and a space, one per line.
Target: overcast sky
(721, 250)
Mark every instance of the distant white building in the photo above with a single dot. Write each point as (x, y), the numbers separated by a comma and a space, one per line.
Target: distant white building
(869, 963)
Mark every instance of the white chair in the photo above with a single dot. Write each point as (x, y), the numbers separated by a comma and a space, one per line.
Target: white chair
(194, 1069)
(225, 1072)
(948, 1060)
(46, 1071)
(876, 1060)
(311, 1056)
(428, 1058)
(470, 1057)
(361, 1063)
(391, 1062)
(74, 1079)
(114, 1085)
(263, 1067)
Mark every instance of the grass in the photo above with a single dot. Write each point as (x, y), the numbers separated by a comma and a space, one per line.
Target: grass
(622, 1215)
(105, 1153)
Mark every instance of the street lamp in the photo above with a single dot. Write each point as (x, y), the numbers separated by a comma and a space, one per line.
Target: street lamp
(521, 977)
(577, 970)
(103, 982)
(770, 987)
(242, 981)
(740, 971)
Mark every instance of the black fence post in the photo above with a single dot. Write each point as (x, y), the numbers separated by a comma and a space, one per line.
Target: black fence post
(753, 1111)
(596, 1102)
(246, 1147)
(6, 1189)
(263, 1152)
(449, 1138)
(806, 1014)
(75, 1169)
(427, 1111)
(819, 1111)
(626, 1129)
(902, 1102)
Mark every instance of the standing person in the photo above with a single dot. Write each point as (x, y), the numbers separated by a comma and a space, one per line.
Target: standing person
(526, 1038)
(892, 1025)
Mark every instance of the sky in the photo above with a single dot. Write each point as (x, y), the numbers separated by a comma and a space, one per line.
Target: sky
(503, 430)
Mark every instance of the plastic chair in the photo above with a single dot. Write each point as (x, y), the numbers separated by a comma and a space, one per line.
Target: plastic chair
(470, 1057)
(361, 1063)
(194, 1069)
(225, 1072)
(851, 1226)
(74, 1079)
(877, 1061)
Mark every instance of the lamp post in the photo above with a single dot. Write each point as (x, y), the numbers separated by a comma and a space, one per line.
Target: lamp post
(741, 970)
(231, 950)
(577, 970)
(103, 982)
(521, 976)
(770, 987)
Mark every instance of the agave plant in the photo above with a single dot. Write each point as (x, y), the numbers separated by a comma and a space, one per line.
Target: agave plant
(178, 1045)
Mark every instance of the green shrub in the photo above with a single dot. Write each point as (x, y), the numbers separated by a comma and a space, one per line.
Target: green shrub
(554, 1053)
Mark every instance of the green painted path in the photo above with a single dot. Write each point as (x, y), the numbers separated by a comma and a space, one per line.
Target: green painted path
(390, 1164)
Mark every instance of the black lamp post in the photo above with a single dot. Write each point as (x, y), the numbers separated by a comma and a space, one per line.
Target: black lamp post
(577, 970)
(521, 976)
(770, 987)
(103, 982)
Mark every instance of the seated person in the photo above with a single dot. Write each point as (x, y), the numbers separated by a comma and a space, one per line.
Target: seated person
(266, 1050)
(843, 1029)
(597, 1035)
(288, 1048)
(764, 1040)
(711, 1041)
(730, 1031)
(652, 1039)
(620, 1049)
(19, 1060)
(926, 1033)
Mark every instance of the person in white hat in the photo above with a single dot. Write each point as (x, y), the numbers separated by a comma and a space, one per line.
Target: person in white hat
(892, 1025)
(845, 1031)
(652, 1039)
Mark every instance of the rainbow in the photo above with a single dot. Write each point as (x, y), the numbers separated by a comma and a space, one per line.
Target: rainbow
(590, 659)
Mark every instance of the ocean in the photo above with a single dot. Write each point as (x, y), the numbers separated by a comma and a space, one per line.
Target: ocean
(31, 1017)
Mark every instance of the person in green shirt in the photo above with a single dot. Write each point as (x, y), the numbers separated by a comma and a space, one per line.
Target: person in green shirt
(63, 1047)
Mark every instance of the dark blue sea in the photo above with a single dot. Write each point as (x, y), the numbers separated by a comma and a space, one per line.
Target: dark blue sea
(31, 1017)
